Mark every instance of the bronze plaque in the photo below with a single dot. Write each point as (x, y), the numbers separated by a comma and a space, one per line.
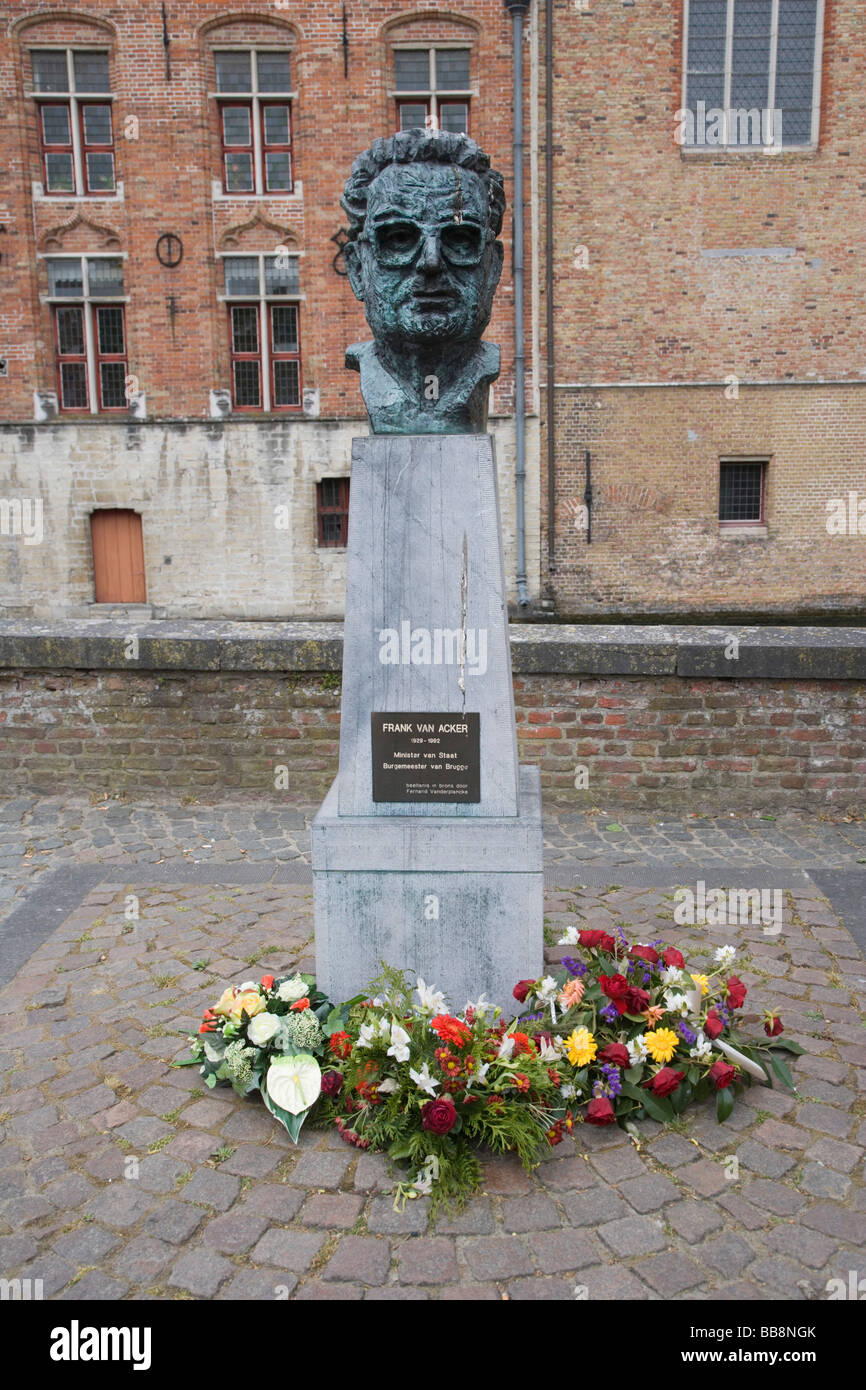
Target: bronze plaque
(426, 757)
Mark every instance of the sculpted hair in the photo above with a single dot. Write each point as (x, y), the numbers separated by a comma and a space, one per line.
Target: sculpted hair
(421, 147)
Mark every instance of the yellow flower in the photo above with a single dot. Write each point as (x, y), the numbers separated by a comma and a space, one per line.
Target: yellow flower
(250, 1000)
(662, 1044)
(581, 1047)
(703, 982)
(226, 1001)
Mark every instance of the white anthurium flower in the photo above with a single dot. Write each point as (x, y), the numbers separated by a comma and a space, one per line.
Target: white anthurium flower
(548, 1053)
(432, 999)
(400, 1040)
(482, 1005)
(388, 1086)
(294, 1083)
(385, 1029)
(568, 1091)
(676, 1003)
(423, 1080)
(673, 975)
(571, 937)
(262, 1029)
(479, 1075)
(290, 991)
(725, 955)
(367, 1035)
(506, 1047)
(702, 1049)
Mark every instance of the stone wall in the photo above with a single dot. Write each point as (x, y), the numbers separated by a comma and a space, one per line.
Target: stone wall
(651, 717)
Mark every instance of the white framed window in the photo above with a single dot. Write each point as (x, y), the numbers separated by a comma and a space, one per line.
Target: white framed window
(72, 90)
(254, 99)
(751, 74)
(88, 311)
(263, 300)
(432, 87)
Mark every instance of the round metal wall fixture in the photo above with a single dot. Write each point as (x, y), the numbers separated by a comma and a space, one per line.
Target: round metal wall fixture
(169, 249)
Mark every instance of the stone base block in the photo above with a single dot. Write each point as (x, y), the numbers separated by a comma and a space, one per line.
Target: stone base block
(458, 901)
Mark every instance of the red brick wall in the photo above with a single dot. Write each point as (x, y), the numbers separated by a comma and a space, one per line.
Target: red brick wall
(653, 741)
(167, 174)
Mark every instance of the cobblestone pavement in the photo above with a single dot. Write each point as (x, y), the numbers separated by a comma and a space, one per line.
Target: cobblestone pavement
(121, 1178)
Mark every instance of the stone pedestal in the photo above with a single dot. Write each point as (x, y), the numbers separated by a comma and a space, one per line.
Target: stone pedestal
(450, 889)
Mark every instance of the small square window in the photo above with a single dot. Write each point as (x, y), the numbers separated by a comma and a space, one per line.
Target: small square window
(281, 275)
(65, 280)
(412, 69)
(59, 173)
(91, 72)
(233, 72)
(55, 125)
(50, 73)
(242, 275)
(452, 69)
(274, 72)
(237, 125)
(741, 492)
(105, 275)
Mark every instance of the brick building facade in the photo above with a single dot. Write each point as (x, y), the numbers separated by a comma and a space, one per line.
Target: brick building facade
(710, 341)
(173, 320)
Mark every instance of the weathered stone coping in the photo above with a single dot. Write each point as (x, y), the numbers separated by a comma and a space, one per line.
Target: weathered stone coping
(771, 653)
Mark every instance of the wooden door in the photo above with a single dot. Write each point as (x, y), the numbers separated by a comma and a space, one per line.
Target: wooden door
(118, 557)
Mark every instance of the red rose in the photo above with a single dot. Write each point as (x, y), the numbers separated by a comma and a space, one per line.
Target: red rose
(267, 982)
(616, 987)
(636, 1000)
(673, 957)
(522, 989)
(713, 1025)
(773, 1027)
(645, 953)
(600, 940)
(438, 1116)
(664, 1081)
(736, 991)
(332, 1083)
(300, 1004)
(615, 1054)
(722, 1074)
(600, 1112)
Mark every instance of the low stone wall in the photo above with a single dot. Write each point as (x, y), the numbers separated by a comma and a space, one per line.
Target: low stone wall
(649, 717)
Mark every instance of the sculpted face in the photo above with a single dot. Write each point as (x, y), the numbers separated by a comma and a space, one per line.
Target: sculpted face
(425, 265)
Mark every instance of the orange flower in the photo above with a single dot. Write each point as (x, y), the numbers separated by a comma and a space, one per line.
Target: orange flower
(654, 1015)
(301, 1004)
(522, 1043)
(451, 1030)
(571, 993)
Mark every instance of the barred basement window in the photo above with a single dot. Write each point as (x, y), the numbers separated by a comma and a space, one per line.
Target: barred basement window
(264, 332)
(332, 511)
(76, 134)
(741, 492)
(89, 335)
(256, 125)
(438, 80)
(752, 73)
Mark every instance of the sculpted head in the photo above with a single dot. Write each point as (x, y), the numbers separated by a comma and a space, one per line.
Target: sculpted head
(425, 211)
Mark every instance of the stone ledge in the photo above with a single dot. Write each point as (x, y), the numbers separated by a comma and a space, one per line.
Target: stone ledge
(771, 653)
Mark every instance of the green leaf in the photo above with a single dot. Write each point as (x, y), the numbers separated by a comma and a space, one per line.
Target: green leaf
(633, 1073)
(291, 1123)
(656, 1108)
(681, 1097)
(781, 1070)
(210, 1081)
(187, 1062)
(788, 1044)
(629, 1089)
(724, 1105)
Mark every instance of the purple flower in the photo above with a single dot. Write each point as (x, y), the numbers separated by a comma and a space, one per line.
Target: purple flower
(610, 1012)
(575, 967)
(531, 1018)
(646, 977)
(613, 1080)
(687, 1034)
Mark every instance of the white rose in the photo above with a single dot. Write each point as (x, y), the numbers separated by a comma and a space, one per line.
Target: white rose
(262, 1028)
(292, 990)
(247, 984)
